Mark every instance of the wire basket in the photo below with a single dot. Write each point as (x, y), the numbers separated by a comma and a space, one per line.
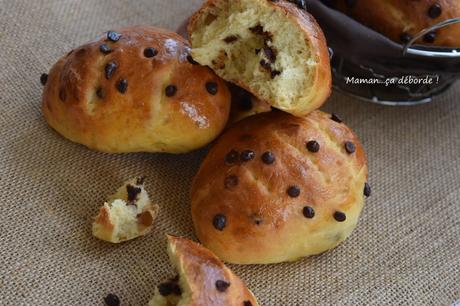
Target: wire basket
(373, 68)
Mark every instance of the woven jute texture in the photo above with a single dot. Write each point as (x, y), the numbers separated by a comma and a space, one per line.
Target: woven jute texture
(405, 251)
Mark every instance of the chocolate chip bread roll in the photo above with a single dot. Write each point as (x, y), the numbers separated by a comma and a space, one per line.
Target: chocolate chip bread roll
(203, 280)
(274, 49)
(400, 20)
(276, 188)
(135, 89)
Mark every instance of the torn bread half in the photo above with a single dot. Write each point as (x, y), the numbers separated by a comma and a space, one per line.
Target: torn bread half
(273, 49)
(127, 214)
(203, 280)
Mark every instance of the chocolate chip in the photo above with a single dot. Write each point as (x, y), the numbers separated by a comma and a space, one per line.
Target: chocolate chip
(232, 157)
(219, 222)
(266, 65)
(247, 155)
(105, 49)
(112, 300)
(169, 288)
(170, 90)
(122, 86)
(435, 11)
(100, 93)
(430, 37)
(62, 94)
(110, 69)
(44, 79)
(405, 38)
(133, 192)
(293, 191)
(247, 303)
(222, 286)
(113, 36)
(191, 60)
(308, 212)
(274, 73)
(336, 118)
(340, 216)
(350, 3)
(211, 87)
(350, 147)
(268, 158)
(231, 181)
(270, 54)
(150, 52)
(313, 146)
(257, 51)
(258, 220)
(367, 190)
(258, 29)
(231, 39)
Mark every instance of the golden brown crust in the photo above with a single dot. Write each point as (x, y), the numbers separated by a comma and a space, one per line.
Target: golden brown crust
(393, 18)
(321, 88)
(85, 106)
(202, 269)
(263, 224)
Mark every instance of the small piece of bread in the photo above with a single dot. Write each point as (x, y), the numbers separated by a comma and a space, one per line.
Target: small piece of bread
(276, 188)
(136, 90)
(203, 280)
(401, 20)
(273, 49)
(128, 214)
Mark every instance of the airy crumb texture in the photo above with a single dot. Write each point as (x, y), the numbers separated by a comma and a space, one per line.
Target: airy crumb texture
(202, 279)
(274, 50)
(128, 214)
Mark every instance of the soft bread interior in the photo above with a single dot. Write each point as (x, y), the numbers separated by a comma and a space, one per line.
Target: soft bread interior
(250, 42)
(181, 280)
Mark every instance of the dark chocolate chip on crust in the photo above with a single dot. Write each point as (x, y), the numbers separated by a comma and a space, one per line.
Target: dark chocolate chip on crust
(113, 36)
(222, 286)
(44, 79)
(367, 190)
(336, 118)
(308, 212)
(112, 300)
(350, 147)
(150, 52)
(268, 158)
(219, 221)
(212, 88)
(122, 86)
(110, 69)
(231, 181)
(247, 155)
(232, 157)
(105, 49)
(132, 192)
(430, 37)
(339, 216)
(170, 90)
(313, 146)
(435, 11)
(293, 191)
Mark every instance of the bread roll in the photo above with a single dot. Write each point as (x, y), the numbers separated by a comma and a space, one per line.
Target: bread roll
(273, 49)
(276, 188)
(135, 90)
(127, 214)
(400, 20)
(203, 279)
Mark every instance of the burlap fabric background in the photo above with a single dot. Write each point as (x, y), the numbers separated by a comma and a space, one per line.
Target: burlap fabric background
(405, 251)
